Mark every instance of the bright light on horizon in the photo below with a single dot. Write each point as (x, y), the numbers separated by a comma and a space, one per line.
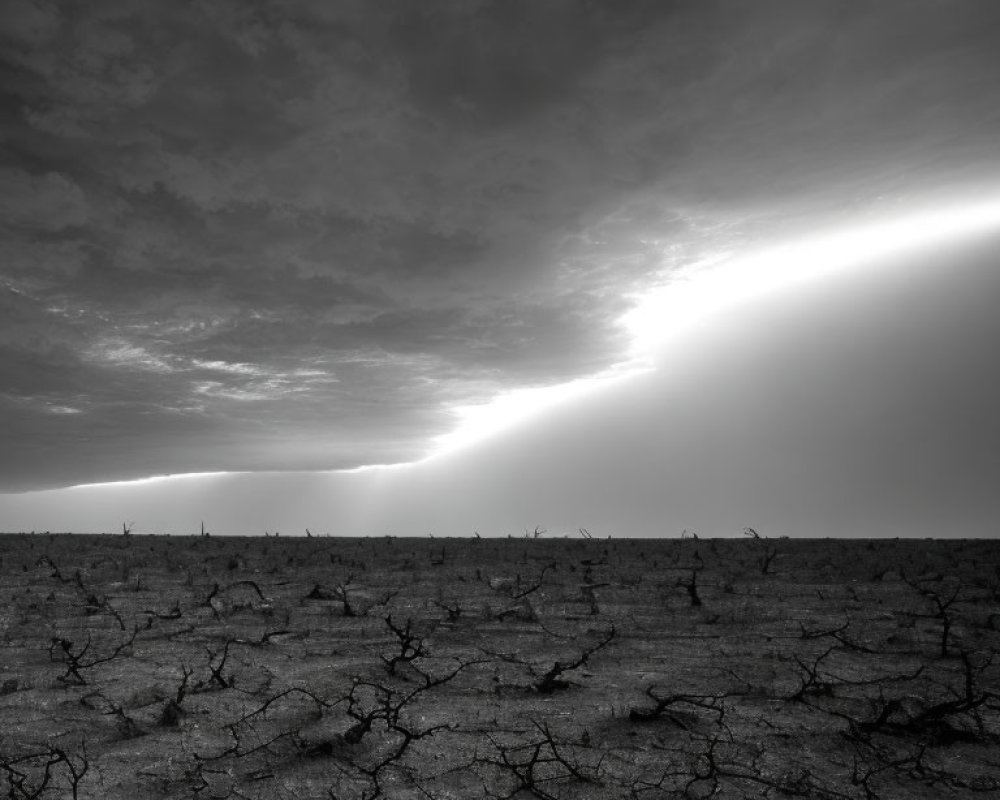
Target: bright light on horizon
(703, 289)
(479, 422)
(717, 282)
(151, 479)
(729, 278)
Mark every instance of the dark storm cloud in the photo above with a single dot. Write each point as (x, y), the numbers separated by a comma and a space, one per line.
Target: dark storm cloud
(240, 235)
(491, 63)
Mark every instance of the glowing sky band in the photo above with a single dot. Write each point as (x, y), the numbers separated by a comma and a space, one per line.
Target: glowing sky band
(718, 282)
(730, 278)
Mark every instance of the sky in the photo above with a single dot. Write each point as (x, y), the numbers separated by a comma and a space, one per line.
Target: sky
(631, 266)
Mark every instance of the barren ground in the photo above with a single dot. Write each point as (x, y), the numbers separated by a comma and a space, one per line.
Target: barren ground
(210, 667)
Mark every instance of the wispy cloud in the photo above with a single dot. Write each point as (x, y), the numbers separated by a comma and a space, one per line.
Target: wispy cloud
(225, 366)
(123, 354)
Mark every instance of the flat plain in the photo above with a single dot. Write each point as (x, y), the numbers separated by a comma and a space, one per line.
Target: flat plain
(286, 667)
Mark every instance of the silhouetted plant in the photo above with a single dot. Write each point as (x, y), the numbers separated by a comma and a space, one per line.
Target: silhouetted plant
(216, 676)
(173, 710)
(452, 608)
(677, 707)
(535, 765)
(942, 602)
(552, 681)
(75, 658)
(411, 646)
(338, 593)
(30, 775)
(692, 588)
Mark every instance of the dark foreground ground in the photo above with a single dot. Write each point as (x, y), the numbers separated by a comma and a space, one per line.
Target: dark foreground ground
(141, 667)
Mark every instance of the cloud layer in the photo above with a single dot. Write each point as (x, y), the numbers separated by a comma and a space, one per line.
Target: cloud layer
(295, 235)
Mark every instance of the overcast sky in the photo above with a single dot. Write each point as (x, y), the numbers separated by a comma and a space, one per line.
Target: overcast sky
(293, 237)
